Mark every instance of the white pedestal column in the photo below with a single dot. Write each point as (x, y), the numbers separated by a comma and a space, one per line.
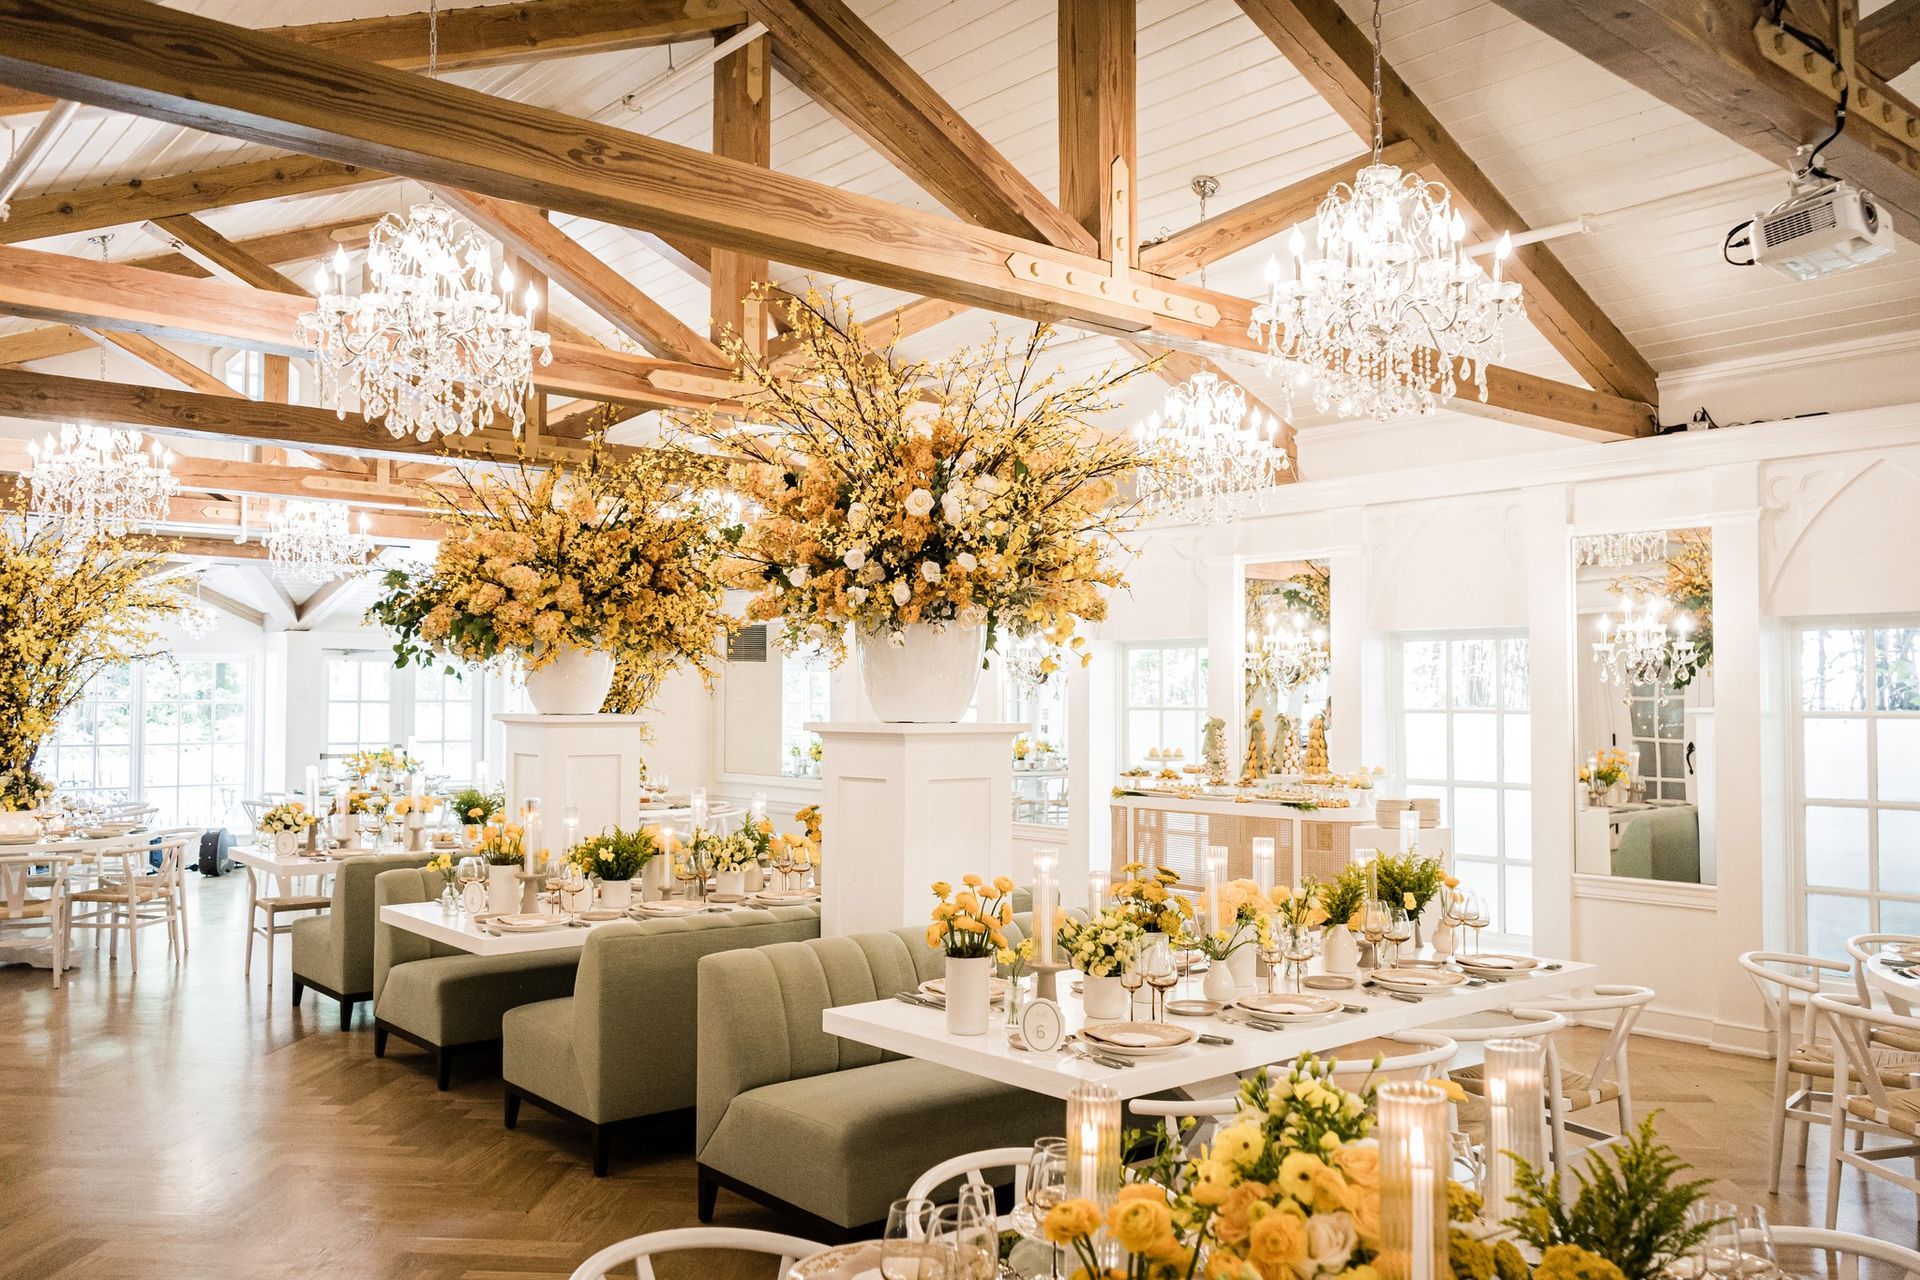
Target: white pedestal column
(589, 761)
(903, 805)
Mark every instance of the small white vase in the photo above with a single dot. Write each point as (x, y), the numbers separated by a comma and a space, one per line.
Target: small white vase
(656, 877)
(503, 889)
(1104, 999)
(1241, 964)
(1218, 985)
(1443, 940)
(756, 877)
(730, 884)
(928, 679)
(286, 843)
(574, 684)
(968, 981)
(1340, 953)
(616, 895)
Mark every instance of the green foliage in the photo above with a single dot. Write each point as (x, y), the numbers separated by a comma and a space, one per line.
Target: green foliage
(473, 807)
(1630, 1211)
(1407, 873)
(617, 854)
(1342, 895)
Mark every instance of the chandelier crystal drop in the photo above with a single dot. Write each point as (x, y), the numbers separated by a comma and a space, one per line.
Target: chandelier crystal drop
(1031, 662)
(1284, 654)
(1389, 312)
(196, 617)
(1620, 550)
(429, 347)
(99, 480)
(1644, 649)
(1216, 452)
(313, 543)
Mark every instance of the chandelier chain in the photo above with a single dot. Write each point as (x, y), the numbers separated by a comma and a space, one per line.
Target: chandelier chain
(433, 41)
(1379, 125)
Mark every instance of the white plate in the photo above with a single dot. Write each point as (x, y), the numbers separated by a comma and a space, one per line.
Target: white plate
(526, 923)
(600, 914)
(937, 988)
(1417, 981)
(1281, 1006)
(1194, 1008)
(669, 907)
(778, 899)
(1136, 1039)
(1328, 981)
(1491, 963)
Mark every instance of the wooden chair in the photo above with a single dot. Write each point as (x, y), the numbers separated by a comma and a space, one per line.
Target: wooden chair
(1845, 1251)
(49, 910)
(263, 919)
(133, 893)
(1862, 1101)
(640, 1250)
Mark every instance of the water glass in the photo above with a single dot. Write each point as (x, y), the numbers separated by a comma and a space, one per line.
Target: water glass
(1740, 1243)
(907, 1249)
(967, 1234)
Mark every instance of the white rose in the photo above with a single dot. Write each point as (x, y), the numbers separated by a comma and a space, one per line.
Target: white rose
(1331, 1240)
(797, 575)
(857, 594)
(965, 460)
(973, 616)
(953, 506)
(897, 639)
(871, 572)
(930, 571)
(919, 502)
(967, 560)
(856, 514)
(901, 594)
(855, 557)
(989, 482)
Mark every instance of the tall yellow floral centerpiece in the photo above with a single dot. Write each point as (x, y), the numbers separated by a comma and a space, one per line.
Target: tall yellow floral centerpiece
(568, 572)
(70, 608)
(932, 506)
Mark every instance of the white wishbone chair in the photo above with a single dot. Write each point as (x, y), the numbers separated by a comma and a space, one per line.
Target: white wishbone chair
(1863, 1102)
(49, 909)
(640, 1250)
(1864, 948)
(970, 1167)
(131, 892)
(1530, 1023)
(1607, 1078)
(1848, 1249)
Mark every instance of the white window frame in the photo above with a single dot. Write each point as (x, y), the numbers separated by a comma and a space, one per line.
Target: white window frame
(401, 703)
(1135, 753)
(1502, 861)
(1797, 716)
(819, 708)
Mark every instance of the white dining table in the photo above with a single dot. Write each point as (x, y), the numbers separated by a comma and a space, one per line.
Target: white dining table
(1902, 992)
(922, 1033)
(460, 929)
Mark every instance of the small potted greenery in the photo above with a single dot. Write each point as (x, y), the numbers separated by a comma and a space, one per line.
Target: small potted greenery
(616, 857)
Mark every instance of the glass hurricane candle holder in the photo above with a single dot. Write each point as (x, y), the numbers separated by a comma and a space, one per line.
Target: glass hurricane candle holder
(1516, 1111)
(1093, 1144)
(1414, 1156)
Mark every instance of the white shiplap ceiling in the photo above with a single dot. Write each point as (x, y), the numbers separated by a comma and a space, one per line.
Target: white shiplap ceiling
(1560, 136)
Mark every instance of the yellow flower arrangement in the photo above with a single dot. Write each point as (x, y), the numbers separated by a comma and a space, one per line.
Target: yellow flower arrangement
(1609, 767)
(502, 844)
(621, 556)
(70, 608)
(972, 922)
(809, 818)
(971, 490)
(1151, 900)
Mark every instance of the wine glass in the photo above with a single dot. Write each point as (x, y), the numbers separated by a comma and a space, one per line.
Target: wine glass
(964, 1232)
(1474, 915)
(1399, 932)
(1376, 917)
(1301, 945)
(1156, 965)
(1740, 1243)
(907, 1251)
(1132, 976)
(1272, 949)
(1046, 1185)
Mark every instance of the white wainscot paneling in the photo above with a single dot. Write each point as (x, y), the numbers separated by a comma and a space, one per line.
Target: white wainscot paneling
(1837, 534)
(1447, 565)
(1655, 935)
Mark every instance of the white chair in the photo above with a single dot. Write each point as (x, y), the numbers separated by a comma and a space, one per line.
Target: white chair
(1876, 1108)
(1606, 1079)
(49, 910)
(133, 893)
(1847, 1249)
(1520, 1024)
(970, 1167)
(1864, 948)
(640, 1250)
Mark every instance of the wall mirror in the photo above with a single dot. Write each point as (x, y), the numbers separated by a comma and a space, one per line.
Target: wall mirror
(1288, 664)
(1643, 714)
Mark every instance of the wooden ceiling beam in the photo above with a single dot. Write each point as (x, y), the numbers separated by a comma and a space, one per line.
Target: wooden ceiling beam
(490, 35)
(165, 361)
(222, 257)
(844, 65)
(83, 209)
(566, 263)
(1099, 150)
(1204, 243)
(1335, 56)
(889, 326)
(1890, 38)
(1704, 58)
(742, 131)
(140, 57)
(126, 299)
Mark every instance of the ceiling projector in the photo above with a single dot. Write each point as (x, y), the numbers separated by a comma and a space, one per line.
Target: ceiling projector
(1822, 230)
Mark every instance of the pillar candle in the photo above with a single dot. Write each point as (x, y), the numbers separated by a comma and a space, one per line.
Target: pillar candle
(1044, 895)
(313, 790)
(530, 831)
(1263, 863)
(1409, 828)
(759, 806)
(1097, 890)
(1216, 873)
(571, 820)
(1413, 1183)
(697, 805)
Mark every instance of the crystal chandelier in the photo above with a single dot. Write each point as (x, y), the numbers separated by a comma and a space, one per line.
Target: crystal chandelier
(196, 617)
(1284, 655)
(1031, 662)
(1390, 309)
(1620, 550)
(1643, 648)
(311, 542)
(99, 480)
(428, 346)
(1216, 452)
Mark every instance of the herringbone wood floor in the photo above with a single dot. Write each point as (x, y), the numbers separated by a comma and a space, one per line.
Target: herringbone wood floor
(183, 1125)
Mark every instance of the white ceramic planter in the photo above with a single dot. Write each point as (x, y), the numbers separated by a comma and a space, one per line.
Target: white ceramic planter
(503, 889)
(927, 680)
(1104, 999)
(1242, 964)
(616, 895)
(286, 843)
(1340, 953)
(573, 684)
(968, 982)
(732, 884)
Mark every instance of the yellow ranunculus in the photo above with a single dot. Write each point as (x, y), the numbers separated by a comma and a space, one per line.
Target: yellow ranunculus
(1071, 1220)
(1278, 1238)
(1360, 1163)
(1139, 1224)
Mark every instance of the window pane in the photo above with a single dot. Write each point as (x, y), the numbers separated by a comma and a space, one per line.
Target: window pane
(1476, 754)
(1834, 757)
(1831, 920)
(1832, 673)
(1424, 674)
(1143, 734)
(1516, 760)
(343, 680)
(1898, 759)
(1896, 679)
(1514, 674)
(1143, 678)
(1473, 673)
(1476, 821)
(1180, 679)
(1899, 852)
(1673, 759)
(1426, 744)
(1519, 828)
(1836, 842)
(1183, 734)
(343, 725)
(373, 724)
(1899, 917)
(1519, 903)
(1482, 878)
(375, 680)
